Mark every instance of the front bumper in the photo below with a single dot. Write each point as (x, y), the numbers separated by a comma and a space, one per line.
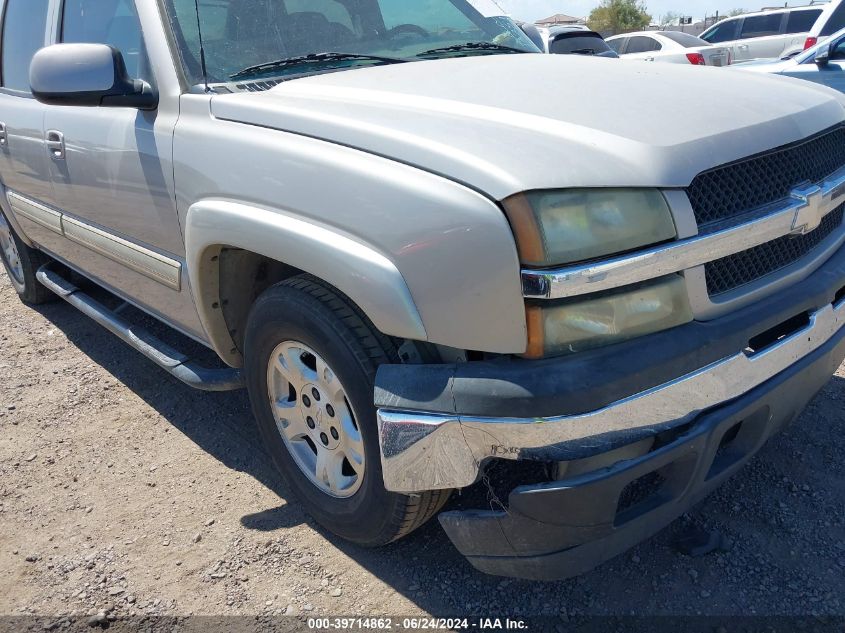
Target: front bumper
(707, 395)
(565, 528)
(440, 424)
(427, 450)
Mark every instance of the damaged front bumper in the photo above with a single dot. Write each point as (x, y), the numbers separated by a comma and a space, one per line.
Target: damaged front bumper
(721, 387)
(423, 451)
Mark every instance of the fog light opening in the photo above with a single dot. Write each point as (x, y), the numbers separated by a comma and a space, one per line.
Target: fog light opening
(640, 496)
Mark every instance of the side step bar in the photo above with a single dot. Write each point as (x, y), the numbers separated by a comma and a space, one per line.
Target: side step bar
(173, 362)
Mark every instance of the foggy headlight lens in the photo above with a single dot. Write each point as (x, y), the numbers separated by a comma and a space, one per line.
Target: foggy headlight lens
(559, 227)
(613, 318)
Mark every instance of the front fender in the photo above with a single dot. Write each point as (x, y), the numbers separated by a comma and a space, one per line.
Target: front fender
(362, 273)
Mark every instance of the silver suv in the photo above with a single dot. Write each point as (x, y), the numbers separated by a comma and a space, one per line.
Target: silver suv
(765, 34)
(426, 256)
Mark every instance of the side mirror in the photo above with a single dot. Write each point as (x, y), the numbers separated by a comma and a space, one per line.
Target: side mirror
(823, 56)
(90, 75)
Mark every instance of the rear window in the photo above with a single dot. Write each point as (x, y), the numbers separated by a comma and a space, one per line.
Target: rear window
(802, 21)
(835, 22)
(642, 44)
(722, 32)
(579, 43)
(761, 25)
(23, 34)
(684, 39)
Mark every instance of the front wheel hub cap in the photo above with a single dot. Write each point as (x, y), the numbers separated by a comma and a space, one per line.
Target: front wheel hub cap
(315, 419)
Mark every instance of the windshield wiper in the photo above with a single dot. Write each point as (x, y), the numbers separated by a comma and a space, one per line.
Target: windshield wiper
(472, 46)
(312, 58)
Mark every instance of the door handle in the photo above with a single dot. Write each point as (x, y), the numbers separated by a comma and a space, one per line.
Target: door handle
(4, 135)
(56, 144)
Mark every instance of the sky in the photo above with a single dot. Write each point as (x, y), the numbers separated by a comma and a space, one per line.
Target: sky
(532, 10)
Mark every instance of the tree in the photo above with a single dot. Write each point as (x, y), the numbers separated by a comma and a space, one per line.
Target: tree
(735, 12)
(670, 18)
(619, 16)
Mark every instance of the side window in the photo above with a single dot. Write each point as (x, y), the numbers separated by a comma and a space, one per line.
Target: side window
(616, 45)
(835, 22)
(112, 22)
(24, 26)
(802, 21)
(723, 32)
(761, 25)
(642, 44)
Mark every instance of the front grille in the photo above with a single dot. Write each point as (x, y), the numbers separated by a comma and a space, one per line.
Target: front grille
(733, 271)
(735, 189)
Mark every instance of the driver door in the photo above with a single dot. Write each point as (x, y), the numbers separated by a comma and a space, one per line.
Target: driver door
(113, 178)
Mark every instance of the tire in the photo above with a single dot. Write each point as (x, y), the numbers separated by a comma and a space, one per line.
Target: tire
(306, 319)
(21, 263)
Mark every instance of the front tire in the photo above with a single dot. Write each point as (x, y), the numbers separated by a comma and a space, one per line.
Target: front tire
(311, 360)
(21, 263)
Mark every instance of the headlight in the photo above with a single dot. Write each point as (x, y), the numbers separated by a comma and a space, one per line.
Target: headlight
(578, 325)
(559, 227)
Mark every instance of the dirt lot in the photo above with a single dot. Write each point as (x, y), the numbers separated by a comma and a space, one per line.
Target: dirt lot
(125, 492)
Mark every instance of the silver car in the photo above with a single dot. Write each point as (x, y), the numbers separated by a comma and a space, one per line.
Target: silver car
(823, 64)
(426, 249)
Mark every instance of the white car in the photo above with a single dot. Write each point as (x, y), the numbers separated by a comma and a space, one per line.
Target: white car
(831, 20)
(776, 33)
(673, 47)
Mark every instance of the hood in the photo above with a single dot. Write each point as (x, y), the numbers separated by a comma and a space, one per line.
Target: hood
(502, 124)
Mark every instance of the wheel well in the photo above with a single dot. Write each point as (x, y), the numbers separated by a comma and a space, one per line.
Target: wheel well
(244, 276)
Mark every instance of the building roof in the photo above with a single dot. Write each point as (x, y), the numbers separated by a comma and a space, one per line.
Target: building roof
(560, 18)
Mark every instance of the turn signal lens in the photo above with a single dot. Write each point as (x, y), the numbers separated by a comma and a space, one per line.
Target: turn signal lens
(576, 326)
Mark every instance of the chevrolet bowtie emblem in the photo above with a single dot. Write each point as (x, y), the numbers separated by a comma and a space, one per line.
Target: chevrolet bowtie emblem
(817, 203)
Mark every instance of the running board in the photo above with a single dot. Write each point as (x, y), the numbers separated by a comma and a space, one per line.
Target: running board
(173, 362)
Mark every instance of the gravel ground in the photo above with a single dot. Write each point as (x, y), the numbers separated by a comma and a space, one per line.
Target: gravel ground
(125, 492)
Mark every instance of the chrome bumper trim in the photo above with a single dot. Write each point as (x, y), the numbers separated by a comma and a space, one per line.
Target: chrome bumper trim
(797, 215)
(425, 451)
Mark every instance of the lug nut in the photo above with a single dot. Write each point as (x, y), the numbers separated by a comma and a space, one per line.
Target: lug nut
(316, 394)
(330, 410)
(324, 439)
(306, 401)
(310, 422)
(335, 434)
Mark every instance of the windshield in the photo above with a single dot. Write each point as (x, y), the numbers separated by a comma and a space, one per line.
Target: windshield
(242, 34)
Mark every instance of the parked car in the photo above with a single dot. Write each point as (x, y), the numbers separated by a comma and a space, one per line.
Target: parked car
(422, 257)
(823, 63)
(831, 20)
(766, 34)
(672, 47)
(568, 40)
